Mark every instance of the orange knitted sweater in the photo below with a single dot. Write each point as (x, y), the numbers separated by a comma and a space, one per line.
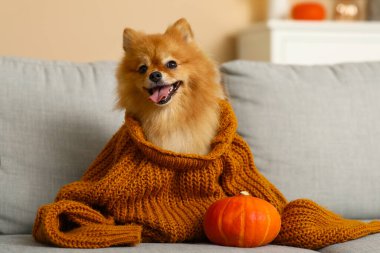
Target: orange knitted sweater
(135, 191)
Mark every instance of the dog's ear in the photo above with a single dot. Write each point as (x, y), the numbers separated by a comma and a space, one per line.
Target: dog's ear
(129, 35)
(182, 28)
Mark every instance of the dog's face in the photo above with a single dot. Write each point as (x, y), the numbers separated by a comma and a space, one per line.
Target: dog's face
(155, 67)
(159, 69)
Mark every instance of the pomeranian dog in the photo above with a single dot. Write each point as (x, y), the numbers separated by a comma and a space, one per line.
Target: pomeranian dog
(167, 83)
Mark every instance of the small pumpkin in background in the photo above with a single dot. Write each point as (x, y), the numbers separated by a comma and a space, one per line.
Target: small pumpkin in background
(308, 11)
(242, 221)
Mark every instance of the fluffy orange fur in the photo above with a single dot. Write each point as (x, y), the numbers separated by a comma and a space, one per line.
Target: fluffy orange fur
(189, 121)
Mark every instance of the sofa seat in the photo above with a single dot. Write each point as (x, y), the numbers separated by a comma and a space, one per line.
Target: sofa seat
(367, 244)
(26, 243)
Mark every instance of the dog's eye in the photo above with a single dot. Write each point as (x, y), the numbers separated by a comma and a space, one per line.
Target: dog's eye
(171, 64)
(143, 69)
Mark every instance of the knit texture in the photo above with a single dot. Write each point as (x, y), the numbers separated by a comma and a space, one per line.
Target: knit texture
(135, 191)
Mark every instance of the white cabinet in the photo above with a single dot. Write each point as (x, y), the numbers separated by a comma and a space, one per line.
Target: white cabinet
(308, 42)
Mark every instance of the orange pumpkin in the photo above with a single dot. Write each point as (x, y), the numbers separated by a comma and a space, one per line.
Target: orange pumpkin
(242, 221)
(308, 11)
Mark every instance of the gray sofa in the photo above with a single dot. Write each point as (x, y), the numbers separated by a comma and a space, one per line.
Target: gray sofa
(314, 131)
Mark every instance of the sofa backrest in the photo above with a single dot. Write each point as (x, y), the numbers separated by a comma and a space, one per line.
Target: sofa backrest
(314, 130)
(55, 117)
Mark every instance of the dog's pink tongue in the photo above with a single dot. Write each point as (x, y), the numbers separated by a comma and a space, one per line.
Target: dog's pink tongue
(160, 93)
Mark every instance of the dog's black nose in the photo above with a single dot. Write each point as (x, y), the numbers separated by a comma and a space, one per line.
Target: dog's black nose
(155, 76)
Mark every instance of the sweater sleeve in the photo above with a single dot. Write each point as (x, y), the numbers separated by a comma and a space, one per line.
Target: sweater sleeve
(306, 224)
(72, 224)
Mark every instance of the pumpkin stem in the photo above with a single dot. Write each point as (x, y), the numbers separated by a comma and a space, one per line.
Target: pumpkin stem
(245, 193)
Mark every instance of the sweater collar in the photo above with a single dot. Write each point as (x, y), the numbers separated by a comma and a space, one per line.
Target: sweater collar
(219, 145)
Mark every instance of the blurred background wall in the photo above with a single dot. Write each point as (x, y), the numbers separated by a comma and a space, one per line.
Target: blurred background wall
(88, 30)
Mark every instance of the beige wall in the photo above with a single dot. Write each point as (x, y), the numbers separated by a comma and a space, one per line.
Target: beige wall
(87, 30)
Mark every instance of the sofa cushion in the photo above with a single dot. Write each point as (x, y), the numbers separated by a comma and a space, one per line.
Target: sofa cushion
(366, 244)
(55, 117)
(25, 243)
(314, 130)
